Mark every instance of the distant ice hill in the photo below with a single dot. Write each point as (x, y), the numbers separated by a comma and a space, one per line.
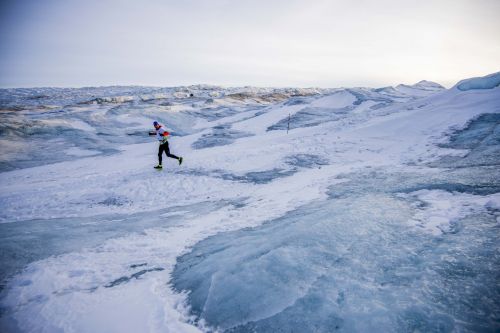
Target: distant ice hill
(295, 210)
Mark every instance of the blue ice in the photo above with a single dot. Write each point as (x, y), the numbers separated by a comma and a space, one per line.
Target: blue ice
(486, 82)
(481, 137)
(23, 242)
(346, 265)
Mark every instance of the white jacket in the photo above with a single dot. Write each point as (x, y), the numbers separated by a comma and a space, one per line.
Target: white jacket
(162, 135)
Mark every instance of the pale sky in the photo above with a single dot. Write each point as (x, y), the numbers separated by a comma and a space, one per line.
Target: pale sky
(303, 43)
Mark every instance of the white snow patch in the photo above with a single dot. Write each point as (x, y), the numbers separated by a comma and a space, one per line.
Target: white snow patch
(75, 151)
(444, 208)
(336, 100)
(81, 125)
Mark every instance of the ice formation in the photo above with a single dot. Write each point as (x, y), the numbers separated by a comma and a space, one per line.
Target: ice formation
(295, 210)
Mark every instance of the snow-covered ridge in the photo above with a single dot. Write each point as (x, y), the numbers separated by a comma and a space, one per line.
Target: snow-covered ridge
(21, 98)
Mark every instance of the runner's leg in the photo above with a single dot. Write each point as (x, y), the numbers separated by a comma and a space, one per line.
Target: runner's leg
(167, 151)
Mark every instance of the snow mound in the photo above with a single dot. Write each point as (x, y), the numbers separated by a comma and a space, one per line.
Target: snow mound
(428, 85)
(337, 100)
(486, 82)
(422, 88)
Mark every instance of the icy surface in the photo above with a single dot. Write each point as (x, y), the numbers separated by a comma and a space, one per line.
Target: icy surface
(487, 82)
(346, 265)
(378, 211)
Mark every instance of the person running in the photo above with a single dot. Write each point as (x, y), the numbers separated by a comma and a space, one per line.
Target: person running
(162, 137)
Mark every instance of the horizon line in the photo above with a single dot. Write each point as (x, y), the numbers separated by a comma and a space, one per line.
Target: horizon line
(223, 86)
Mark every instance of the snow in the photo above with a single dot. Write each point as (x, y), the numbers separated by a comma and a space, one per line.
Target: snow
(336, 100)
(442, 208)
(377, 211)
(422, 88)
(75, 151)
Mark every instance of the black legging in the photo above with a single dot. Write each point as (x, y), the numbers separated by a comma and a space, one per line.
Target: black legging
(164, 148)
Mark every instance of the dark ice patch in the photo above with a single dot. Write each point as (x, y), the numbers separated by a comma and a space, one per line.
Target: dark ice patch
(305, 160)
(211, 114)
(476, 189)
(220, 136)
(379, 106)
(125, 279)
(259, 177)
(255, 177)
(310, 116)
(476, 180)
(295, 101)
(115, 201)
(482, 137)
(238, 203)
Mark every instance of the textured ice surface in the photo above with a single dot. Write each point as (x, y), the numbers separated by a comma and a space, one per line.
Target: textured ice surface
(260, 177)
(212, 114)
(220, 135)
(340, 265)
(28, 241)
(306, 160)
(254, 177)
(310, 116)
(481, 137)
(136, 275)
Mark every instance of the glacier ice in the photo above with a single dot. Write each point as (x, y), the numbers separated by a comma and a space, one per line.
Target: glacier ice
(481, 138)
(377, 211)
(342, 265)
(28, 241)
(347, 264)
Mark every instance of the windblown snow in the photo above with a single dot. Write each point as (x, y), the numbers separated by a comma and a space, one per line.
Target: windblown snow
(295, 210)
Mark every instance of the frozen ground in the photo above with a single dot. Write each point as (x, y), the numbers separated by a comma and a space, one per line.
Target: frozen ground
(378, 211)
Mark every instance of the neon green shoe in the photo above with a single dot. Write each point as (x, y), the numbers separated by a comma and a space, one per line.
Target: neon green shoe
(180, 160)
(159, 166)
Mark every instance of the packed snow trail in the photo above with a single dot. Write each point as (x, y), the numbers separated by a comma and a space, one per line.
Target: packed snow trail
(371, 214)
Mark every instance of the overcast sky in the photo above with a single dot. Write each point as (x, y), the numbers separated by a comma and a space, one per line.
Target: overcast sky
(236, 42)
